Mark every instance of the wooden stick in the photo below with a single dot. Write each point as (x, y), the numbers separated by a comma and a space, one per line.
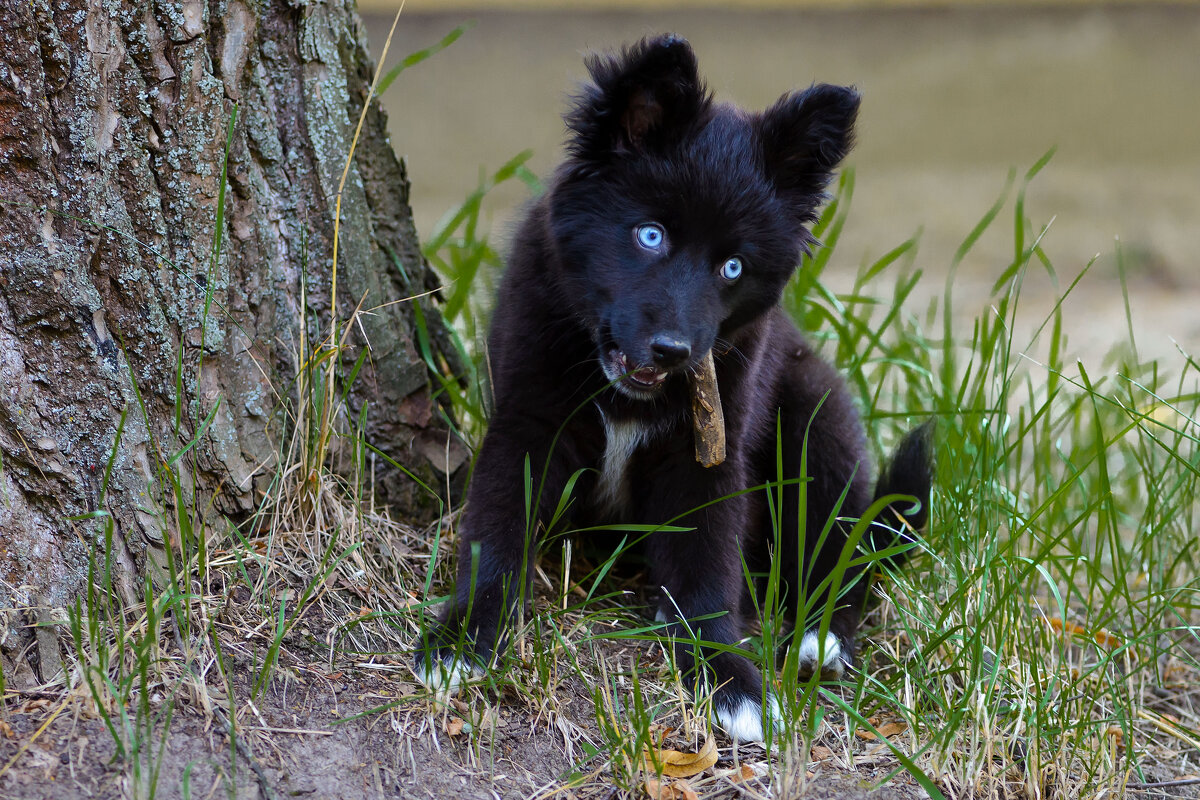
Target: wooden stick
(708, 420)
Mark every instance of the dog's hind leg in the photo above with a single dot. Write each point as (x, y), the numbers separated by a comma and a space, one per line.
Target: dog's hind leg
(699, 575)
(824, 456)
(824, 447)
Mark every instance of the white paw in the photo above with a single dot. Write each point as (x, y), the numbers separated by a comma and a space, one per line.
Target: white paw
(744, 722)
(447, 674)
(829, 660)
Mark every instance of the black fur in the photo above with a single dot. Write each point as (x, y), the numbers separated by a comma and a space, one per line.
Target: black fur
(586, 303)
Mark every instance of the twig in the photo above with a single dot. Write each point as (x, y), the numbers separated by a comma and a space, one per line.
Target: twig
(263, 785)
(1141, 787)
(1170, 726)
(298, 731)
(21, 751)
(708, 419)
(35, 694)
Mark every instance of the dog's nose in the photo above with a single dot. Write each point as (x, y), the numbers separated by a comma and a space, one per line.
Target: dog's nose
(669, 350)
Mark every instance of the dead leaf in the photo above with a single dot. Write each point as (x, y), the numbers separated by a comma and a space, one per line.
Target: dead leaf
(6, 730)
(745, 773)
(454, 726)
(1099, 636)
(675, 790)
(678, 764)
(886, 729)
(659, 733)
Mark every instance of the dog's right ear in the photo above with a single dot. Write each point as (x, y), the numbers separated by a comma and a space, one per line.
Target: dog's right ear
(644, 99)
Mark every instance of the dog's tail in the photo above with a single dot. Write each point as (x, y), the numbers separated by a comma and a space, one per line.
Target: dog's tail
(908, 473)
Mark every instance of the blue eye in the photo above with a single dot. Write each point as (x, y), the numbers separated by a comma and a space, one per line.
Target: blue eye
(650, 235)
(731, 270)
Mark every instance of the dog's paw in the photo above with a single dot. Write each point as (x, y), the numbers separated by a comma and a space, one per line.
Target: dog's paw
(830, 661)
(444, 672)
(743, 720)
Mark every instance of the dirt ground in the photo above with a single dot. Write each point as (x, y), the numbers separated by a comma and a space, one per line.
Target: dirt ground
(371, 734)
(355, 734)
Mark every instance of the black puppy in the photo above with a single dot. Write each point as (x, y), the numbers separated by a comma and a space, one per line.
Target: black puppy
(669, 231)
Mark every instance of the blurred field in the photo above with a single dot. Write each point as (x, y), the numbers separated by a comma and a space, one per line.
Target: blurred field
(952, 100)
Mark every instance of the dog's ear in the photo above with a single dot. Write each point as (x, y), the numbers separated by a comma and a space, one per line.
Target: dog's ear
(641, 100)
(804, 137)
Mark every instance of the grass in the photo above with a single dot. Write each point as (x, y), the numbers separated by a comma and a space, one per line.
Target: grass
(1040, 643)
(1022, 649)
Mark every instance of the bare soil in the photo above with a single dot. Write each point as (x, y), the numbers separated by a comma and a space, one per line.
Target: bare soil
(300, 744)
(354, 734)
(357, 734)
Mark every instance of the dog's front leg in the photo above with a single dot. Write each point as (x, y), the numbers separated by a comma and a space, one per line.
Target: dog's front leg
(699, 574)
(497, 547)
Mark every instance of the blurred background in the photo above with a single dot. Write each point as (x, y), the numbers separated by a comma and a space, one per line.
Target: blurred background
(955, 96)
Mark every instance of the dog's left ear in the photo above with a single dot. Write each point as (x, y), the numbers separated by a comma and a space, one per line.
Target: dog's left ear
(804, 137)
(643, 99)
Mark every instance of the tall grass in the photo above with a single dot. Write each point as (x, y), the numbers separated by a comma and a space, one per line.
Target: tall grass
(1060, 570)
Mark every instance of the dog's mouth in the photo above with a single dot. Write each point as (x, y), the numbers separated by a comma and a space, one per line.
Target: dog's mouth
(638, 381)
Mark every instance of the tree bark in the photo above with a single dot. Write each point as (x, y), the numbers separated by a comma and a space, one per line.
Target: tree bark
(113, 129)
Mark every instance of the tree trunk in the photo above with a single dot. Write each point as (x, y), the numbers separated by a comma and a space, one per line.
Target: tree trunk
(113, 130)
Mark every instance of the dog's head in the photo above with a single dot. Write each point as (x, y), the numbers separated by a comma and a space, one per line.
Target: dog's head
(678, 220)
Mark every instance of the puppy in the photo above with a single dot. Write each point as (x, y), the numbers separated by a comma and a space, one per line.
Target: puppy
(668, 233)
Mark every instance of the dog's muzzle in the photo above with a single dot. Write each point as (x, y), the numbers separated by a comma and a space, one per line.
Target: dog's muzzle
(635, 381)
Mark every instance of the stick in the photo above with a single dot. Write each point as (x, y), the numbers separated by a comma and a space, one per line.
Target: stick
(708, 420)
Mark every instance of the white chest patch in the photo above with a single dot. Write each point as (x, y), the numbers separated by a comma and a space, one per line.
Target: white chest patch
(621, 441)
